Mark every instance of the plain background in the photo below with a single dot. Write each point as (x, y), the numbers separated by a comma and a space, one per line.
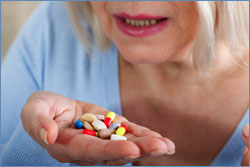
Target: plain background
(13, 15)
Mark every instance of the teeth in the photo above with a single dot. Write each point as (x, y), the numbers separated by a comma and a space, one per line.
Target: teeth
(138, 23)
(141, 23)
(152, 21)
(132, 22)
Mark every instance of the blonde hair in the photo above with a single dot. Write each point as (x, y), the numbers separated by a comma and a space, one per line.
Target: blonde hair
(225, 21)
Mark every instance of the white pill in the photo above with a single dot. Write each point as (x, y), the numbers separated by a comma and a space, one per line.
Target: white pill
(117, 137)
(99, 116)
(98, 125)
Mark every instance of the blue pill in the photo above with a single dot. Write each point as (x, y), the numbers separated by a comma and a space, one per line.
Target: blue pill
(114, 125)
(78, 124)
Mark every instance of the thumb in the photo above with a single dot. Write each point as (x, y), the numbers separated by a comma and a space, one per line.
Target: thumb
(38, 123)
(47, 129)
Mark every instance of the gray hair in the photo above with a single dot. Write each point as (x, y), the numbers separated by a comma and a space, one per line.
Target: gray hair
(232, 29)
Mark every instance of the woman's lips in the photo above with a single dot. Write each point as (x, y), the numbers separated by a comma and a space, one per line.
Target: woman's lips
(140, 25)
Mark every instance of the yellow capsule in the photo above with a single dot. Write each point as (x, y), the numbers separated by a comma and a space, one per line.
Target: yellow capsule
(120, 131)
(111, 115)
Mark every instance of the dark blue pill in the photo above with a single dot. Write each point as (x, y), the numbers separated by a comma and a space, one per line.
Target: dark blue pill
(78, 124)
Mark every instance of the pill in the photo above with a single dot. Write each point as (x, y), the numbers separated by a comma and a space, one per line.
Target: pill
(99, 116)
(105, 133)
(98, 125)
(88, 117)
(111, 115)
(108, 121)
(89, 132)
(87, 125)
(117, 137)
(124, 126)
(78, 124)
(121, 130)
(114, 125)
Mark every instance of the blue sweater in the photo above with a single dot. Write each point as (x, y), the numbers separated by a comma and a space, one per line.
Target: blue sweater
(47, 56)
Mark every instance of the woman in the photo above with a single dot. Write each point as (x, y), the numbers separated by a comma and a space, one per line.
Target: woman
(177, 68)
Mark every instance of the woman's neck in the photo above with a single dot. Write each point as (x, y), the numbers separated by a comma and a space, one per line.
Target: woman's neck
(183, 72)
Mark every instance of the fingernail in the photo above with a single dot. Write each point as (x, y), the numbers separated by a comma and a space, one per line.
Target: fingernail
(246, 131)
(171, 148)
(157, 153)
(43, 135)
(131, 157)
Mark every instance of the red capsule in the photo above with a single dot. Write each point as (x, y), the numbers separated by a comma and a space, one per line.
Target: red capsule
(89, 132)
(125, 127)
(108, 121)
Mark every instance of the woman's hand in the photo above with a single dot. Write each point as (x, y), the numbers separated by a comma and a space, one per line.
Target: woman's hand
(245, 136)
(49, 119)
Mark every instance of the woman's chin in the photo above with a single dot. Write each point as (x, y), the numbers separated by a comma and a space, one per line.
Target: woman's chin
(144, 59)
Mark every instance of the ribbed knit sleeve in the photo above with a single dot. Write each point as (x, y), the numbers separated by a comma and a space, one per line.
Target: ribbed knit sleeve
(22, 150)
(22, 74)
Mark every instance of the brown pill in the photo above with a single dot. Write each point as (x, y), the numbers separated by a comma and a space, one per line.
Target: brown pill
(105, 133)
(88, 126)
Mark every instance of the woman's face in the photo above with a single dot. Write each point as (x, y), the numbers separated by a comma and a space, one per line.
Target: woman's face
(149, 32)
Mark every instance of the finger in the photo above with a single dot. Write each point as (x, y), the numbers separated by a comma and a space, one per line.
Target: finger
(245, 135)
(129, 135)
(170, 144)
(145, 151)
(140, 131)
(119, 162)
(81, 163)
(91, 149)
(245, 159)
(47, 129)
(38, 123)
(151, 146)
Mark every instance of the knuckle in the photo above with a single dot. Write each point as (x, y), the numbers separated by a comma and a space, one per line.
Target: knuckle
(146, 131)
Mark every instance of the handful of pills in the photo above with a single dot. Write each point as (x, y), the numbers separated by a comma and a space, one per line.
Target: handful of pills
(101, 126)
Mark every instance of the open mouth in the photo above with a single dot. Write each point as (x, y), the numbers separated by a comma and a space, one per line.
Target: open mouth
(140, 25)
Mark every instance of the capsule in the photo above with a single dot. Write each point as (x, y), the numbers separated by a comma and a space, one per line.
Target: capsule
(108, 121)
(121, 130)
(115, 125)
(78, 124)
(89, 132)
(111, 115)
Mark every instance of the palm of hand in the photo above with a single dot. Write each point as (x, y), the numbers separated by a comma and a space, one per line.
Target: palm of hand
(67, 144)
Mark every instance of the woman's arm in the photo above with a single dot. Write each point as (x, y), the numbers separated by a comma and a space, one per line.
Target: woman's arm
(22, 74)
